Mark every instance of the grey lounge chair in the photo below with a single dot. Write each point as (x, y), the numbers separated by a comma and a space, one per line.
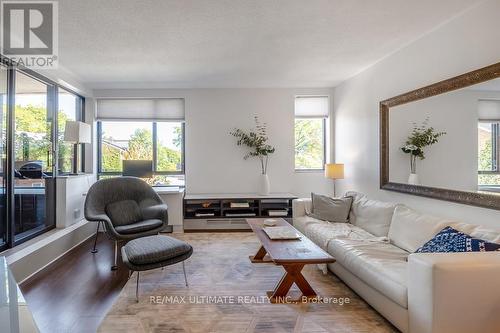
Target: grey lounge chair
(128, 208)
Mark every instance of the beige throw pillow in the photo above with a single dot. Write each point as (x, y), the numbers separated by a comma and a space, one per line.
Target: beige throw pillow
(330, 209)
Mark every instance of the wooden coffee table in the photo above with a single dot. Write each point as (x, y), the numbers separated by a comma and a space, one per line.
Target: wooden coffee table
(293, 255)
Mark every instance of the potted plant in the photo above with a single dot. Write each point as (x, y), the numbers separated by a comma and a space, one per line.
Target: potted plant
(256, 141)
(422, 136)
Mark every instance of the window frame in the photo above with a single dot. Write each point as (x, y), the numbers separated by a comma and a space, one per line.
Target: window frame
(13, 69)
(495, 147)
(80, 116)
(324, 134)
(154, 144)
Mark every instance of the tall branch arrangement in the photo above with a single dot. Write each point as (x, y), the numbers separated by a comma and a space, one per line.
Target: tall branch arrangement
(256, 141)
(421, 136)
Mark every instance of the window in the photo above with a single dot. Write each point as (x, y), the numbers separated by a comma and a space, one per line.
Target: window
(488, 138)
(169, 147)
(33, 158)
(160, 142)
(124, 141)
(489, 153)
(29, 136)
(142, 129)
(311, 114)
(70, 107)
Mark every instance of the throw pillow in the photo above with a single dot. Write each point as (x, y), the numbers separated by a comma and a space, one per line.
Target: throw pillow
(124, 212)
(330, 209)
(452, 240)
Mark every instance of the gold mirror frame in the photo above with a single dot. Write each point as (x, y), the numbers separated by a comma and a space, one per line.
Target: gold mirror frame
(481, 199)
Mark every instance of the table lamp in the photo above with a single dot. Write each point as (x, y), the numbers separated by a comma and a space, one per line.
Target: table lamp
(77, 132)
(334, 171)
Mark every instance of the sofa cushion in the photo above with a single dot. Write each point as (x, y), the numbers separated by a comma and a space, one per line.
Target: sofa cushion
(452, 240)
(382, 266)
(330, 209)
(124, 212)
(477, 231)
(138, 227)
(372, 215)
(302, 222)
(355, 195)
(410, 230)
(322, 232)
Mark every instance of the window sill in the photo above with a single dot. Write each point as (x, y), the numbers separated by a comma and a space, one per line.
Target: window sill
(489, 188)
(309, 170)
(168, 189)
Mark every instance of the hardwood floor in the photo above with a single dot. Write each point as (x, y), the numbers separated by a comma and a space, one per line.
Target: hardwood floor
(75, 293)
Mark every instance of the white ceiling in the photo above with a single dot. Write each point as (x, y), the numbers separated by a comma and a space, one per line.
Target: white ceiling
(237, 43)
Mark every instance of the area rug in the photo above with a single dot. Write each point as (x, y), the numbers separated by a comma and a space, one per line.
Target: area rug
(227, 293)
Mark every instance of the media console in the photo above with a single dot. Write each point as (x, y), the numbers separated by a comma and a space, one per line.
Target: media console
(228, 212)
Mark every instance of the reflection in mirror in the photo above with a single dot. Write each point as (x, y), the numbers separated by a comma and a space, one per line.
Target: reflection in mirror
(488, 138)
(464, 153)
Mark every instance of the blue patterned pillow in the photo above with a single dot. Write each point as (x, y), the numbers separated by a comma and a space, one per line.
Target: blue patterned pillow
(451, 240)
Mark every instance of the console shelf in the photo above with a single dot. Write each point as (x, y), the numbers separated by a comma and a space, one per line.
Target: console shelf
(228, 212)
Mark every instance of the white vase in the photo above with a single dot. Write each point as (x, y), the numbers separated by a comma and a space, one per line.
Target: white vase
(264, 185)
(413, 179)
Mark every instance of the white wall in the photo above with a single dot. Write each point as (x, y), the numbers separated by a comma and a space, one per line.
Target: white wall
(466, 43)
(213, 161)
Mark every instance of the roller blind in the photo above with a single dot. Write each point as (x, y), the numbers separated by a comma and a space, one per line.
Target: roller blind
(311, 107)
(151, 109)
(489, 109)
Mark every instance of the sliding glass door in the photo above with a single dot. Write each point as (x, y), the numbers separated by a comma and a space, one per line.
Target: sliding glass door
(33, 156)
(33, 113)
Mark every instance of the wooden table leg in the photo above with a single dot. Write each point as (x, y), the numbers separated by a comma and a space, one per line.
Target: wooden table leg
(304, 286)
(292, 275)
(259, 256)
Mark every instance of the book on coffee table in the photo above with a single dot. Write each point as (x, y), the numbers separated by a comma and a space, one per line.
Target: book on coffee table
(281, 232)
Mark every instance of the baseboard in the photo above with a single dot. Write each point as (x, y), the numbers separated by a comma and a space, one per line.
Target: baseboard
(45, 249)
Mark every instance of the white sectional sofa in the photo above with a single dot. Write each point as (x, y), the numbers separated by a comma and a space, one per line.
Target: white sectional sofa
(417, 292)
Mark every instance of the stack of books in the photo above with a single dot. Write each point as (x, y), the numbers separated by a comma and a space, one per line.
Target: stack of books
(239, 205)
(204, 214)
(281, 212)
(281, 232)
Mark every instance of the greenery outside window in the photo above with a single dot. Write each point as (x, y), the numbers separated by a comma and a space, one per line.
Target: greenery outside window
(31, 134)
(159, 141)
(311, 114)
(489, 153)
(309, 144)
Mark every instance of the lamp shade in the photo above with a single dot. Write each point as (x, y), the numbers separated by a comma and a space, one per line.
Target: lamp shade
(334, 171)
(77, 132)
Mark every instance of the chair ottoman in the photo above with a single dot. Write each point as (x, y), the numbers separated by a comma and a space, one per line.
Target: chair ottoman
(145, 253)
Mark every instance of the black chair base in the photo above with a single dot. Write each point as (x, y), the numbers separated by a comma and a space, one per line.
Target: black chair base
(94, 249)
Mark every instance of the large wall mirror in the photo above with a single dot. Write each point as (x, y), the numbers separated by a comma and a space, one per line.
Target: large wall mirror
(443, 140)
